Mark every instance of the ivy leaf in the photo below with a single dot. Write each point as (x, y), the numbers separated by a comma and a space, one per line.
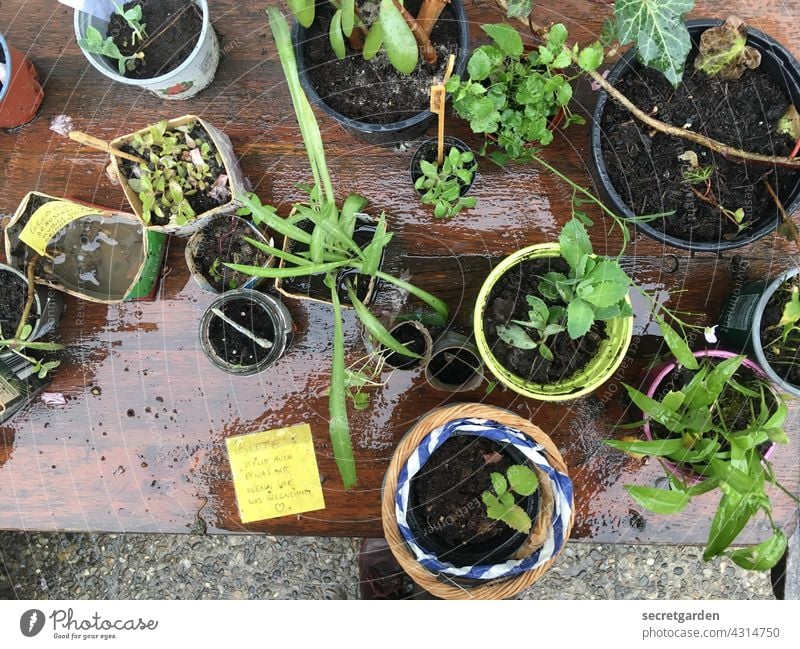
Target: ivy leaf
(522, 479)
(762, 556)
(401, 46)
(519, 8)
(507, 39)
(659, 501)
(724, 51)
(658, 30)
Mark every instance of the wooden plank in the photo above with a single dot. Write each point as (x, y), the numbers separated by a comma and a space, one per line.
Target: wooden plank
(147, 452)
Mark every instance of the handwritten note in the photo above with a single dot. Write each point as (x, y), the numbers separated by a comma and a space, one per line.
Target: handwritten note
(275, 473)
(49, 220)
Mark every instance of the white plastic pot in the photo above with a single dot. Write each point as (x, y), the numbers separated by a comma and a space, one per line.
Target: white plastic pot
(188, 79)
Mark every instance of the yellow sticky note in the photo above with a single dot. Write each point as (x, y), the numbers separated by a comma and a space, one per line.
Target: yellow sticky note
(49, 220)
(275, 473)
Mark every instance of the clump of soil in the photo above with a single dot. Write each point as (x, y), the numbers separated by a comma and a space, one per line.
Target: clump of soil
(173, 28)
(446, 493)
(13, 296)
(201, 201)
(644, 165)
(507, 301)
(454, 366)
(373, 91)
(786, 364)
(222, 242)
(407, 334)
(231, 345)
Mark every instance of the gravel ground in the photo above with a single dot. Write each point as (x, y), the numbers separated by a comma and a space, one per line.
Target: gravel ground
(140, 566)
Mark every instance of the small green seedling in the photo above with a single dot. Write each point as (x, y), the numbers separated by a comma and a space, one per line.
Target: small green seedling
(95, 44)
(133, 17)
(501, 505)
(20, 342)
(442, 187)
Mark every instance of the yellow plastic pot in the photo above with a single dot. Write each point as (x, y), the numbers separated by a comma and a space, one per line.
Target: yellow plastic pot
(597, 371)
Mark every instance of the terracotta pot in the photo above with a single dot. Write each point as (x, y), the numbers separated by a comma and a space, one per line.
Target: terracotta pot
(21, 94)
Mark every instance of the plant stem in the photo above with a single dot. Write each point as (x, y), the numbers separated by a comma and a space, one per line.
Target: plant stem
(429, 13)
(790, 226)
(425, 46)
(29, 302)
(711, 200)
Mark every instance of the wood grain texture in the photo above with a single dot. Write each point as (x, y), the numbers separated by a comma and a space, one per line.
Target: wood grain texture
(145, 453)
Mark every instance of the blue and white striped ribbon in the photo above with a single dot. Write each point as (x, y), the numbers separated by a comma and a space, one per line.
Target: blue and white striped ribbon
(562, 492)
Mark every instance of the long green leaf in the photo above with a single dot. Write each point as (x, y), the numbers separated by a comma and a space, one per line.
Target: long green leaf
(339, 427)
(655, 448)
(654, 410)
(279, 273)
(762, 556)
(431, 300)
(375, 328)
(336, 36)
(276, 252)
(303, 10)
(353, 204)
(731, 516)
(348, 16)
(678, 345)
(658, 501)
(275, 222)
(373, 252)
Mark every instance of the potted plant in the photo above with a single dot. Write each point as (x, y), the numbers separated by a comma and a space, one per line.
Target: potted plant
(444, 186)
(370, 65)
(740, 84)
(553, 321)
(713, 427)
(476, 502)
(225, 240)
(189, 174)
(165, 46)
(329, 249)
(762, 317)
(20, 91)
(455, 364)
(244, 331)
(414, 336)
(84, 250)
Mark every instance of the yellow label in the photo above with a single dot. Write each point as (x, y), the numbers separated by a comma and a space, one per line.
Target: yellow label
(49, 220)
(438, 96)
(275, 473)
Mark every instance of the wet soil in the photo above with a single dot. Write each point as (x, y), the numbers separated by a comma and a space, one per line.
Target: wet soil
(223, 243)
(454, 367)
(231, 345)
(13, 296)
(407, 334)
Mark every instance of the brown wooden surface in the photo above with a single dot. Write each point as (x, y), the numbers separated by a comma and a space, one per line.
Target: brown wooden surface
(147, 452)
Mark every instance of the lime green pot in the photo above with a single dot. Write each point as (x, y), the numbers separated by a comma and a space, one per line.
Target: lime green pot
(597, 371)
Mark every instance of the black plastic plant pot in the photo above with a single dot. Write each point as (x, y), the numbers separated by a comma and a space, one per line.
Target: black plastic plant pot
(48, 305)
(455, 364)
(740, 324)
(492, 551)
(390, 132)
(415, 337)
(777, 61)
(428, 151)
(254, 332)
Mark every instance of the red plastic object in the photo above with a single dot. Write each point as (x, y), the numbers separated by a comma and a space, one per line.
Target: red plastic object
(22, 93)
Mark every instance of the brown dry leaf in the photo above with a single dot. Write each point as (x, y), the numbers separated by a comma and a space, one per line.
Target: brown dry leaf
(724, 51)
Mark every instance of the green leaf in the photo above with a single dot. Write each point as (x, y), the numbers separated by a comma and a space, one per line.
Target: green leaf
(375, 328)
(374, 41)
(479, 65)
(499, 483)
(522, 479)
(657, 27)
(731, 516)
(515, 336)
(659, 501)
(655, 410)
(507, 39)
(348, 16)
(373, 252)
(401, 46)
(513, 516)
(538, 313)
(339, 428)
(724, 52)
(678, 346)
(281, 273)
(591, 57)
(337, 38)
(519, 8)
(736, 479)
(654, 448)
(604, 294)
(303, 10)
(575, 245)
(579, 318)
(762, 556)
(437, 304)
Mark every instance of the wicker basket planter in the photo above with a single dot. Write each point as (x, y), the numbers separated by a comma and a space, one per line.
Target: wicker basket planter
(548, 535)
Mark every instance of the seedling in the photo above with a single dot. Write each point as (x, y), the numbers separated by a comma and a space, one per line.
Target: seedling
(696, 174)
(501, 505)
(715, 425)
(442, 186)
(133, 17)
(95, 44)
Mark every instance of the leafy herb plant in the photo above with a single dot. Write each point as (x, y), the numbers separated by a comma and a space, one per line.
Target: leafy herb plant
(715, 426)
(96, 44)
(328, 249)
(178, 167)
(441, 187)
(593, 290)
(501, 505)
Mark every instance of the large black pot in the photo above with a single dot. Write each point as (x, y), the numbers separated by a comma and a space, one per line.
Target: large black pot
(407, 129)
(776, 60)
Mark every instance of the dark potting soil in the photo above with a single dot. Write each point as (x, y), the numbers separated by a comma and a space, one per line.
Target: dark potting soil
(407, 334)
(507, 301)
(200, 202)
(173, 28)
(446, 493)
(373, 91)
(785, 364)
(454, 366)
(233, 346)
(13, 296)
(223, 242)
(314, 286)
(644, 166)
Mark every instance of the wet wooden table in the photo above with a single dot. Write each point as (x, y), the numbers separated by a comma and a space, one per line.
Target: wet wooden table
(147, 451)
